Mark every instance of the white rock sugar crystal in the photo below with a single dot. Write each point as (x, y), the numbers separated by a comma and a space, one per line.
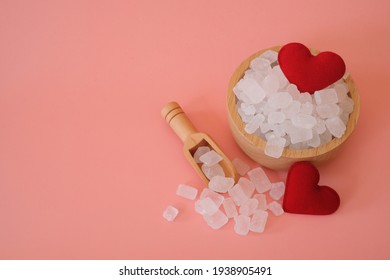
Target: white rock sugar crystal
(259, 179)
(275, 147)
(206, 206)
(212, 171)
(275, 208)
(221, 184)
(258, 221)
(242, 224)
(238, 195)
(210, 158)
(241, 167)
(216, 220)
(248, 207)
(186, 191)
(170, 213)
(277, 190)
(215, 197)
(247, 186)
(271, 106)
(262, 201)
(230, 207)
(199, 152)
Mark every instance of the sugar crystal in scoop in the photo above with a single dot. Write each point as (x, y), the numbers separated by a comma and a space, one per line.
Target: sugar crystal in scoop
(212, 171)
(258, 221)
(221, 184)
(186, 191)
(241, 225)
(217, 220)
(210, 158)
(170, 213)
(199, 152)
(259, 179)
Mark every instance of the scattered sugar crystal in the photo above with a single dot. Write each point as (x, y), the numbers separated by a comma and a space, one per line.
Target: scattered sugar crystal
(248, 207)
(216, 197)
(304, 121)
(325, 96)
(170, 213)
(262, 201)
(298, 134)
(247, 186)
(212, 171)
(254, 123)
(328, 110)
(276, 117)
(186, 191)
(230, 207)
(270, 83)
(241, 167)
(277, 190)
(206, 206)
(238, 195)
(259, 179)
(241, 225)
(221, 184)
(249, 91)
(260, 64)
(210, 158)
(258, 221)
(217, 220)
(274, 147)
(335, 126)
(275, 208)
(200, 151)
(279, 100)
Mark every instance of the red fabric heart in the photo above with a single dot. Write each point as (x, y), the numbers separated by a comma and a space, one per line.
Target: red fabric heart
(303, 195)
(308, 72)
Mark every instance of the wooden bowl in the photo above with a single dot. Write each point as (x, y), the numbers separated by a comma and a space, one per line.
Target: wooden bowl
(253, 145)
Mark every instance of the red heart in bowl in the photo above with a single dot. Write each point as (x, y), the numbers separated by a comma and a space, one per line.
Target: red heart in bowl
(303, 195)
(308, 72)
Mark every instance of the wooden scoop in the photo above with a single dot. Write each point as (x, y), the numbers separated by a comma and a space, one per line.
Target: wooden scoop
(192, 139)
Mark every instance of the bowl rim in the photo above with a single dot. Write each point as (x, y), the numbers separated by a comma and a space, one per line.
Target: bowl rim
(259, 142)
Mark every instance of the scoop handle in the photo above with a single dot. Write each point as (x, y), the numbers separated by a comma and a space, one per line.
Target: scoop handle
(178, 120)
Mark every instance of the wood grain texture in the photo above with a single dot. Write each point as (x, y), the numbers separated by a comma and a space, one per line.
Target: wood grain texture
(253, 145)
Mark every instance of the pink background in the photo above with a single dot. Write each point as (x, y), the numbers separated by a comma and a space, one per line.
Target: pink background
(87, 165)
